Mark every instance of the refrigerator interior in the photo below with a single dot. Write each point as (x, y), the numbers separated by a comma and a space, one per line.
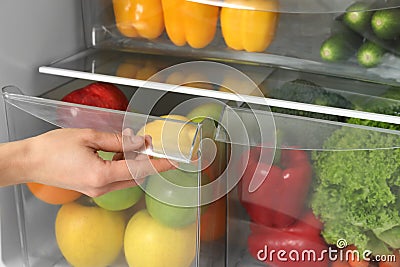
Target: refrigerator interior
(147, 69)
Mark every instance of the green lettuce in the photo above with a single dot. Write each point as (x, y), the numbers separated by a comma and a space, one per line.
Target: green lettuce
(356, 192)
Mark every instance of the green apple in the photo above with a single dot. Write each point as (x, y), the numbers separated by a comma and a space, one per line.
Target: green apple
(172, 196)
(210, 110)
(119, 199)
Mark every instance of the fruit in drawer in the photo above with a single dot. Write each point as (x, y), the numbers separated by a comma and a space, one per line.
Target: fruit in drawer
(213, 159)
(139, 18)
(210, 110)
(386, 24)
(172, 136)
(172, 196)
(148, 243)
(251, 29)
(119, 199)
(190, 22)
(138, 69)
(191, 79)
(213, 221)
(98, 94)
(53, 195)
(89, 236)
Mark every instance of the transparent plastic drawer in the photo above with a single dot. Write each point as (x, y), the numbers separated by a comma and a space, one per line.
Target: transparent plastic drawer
(172, 219)
(329, 37)
(307, 192)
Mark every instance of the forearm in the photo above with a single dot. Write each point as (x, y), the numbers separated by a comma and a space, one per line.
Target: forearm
(14, 162)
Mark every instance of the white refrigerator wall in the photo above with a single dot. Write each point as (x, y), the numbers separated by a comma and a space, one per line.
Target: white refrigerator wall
(33, 33)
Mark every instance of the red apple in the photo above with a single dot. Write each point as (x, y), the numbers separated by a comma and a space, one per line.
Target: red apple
(98, 94)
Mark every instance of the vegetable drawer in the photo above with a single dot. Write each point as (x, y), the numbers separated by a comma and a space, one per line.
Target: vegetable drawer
(317, 194)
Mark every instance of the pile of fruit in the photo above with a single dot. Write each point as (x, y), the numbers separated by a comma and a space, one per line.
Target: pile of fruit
(137, 225)
(369, 33)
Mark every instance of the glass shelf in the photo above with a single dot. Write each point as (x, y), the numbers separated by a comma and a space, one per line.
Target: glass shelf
(252, 84)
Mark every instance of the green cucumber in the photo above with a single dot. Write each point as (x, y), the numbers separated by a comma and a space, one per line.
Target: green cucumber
(370, 54)
(340, 46)
(386, 23)
(358, 17)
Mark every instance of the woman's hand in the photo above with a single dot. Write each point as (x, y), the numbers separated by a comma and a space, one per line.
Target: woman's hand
(68, 158)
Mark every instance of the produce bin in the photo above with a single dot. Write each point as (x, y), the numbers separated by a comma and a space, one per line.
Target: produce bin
(172, 215)
(316, 194)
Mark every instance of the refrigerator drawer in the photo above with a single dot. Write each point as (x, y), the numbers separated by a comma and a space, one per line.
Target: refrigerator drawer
(282, 189)
(176, 233)
(316, 194)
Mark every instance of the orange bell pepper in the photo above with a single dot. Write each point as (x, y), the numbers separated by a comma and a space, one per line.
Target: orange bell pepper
(189, 22)
(251, 29)
(139, 18)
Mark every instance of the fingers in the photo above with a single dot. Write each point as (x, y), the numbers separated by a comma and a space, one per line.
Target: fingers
(115, 142)
(136, 169)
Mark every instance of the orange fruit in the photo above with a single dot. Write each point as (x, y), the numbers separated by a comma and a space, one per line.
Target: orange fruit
(213, 221)
(53, 195)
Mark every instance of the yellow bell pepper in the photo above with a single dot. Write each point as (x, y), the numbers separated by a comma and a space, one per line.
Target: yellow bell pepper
(189, 22)
(251, 29)
(139, 18)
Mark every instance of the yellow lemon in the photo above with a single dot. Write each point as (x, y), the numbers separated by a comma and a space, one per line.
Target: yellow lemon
(148, 243)
(89, 236)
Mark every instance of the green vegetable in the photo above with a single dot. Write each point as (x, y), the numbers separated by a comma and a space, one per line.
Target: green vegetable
(308, 92)
(357, 191)
(340, 46)
(386, 23)
(370, 54)
(388, 110)
(392, 93)
(382, 107)
(357, 17)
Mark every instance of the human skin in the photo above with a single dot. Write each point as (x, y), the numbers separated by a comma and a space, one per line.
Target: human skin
(68, 158)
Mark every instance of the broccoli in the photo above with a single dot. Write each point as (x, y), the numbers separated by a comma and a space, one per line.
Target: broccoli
(382, 107)
(357, 190)
(308, 92)
(388, 110)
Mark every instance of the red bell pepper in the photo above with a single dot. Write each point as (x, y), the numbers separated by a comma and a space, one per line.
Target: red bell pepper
(299, 245)
(281, 197)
